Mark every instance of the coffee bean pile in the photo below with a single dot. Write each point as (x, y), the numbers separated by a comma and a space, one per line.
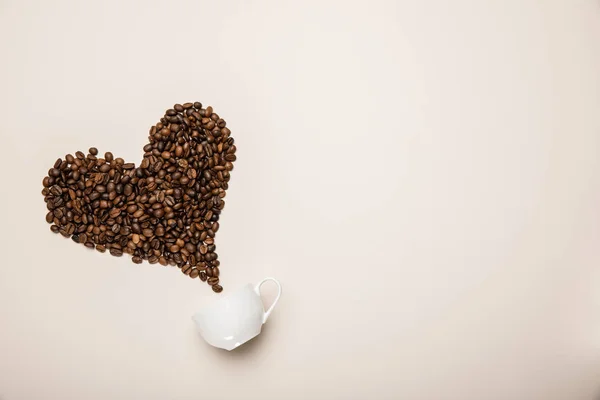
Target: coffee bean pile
(164, 211)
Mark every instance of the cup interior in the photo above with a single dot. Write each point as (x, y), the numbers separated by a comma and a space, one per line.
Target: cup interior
(225, 303)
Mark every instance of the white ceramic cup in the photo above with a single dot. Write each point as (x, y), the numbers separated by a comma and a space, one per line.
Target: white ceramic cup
(236, 317)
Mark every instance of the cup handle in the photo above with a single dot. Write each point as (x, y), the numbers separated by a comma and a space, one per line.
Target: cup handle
(257, 289)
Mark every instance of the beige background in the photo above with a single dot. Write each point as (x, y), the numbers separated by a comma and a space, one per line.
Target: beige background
(422, 176)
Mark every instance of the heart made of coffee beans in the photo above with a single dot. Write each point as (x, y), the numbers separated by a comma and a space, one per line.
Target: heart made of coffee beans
(166, 210)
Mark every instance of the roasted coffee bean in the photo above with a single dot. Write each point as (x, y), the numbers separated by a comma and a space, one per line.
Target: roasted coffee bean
(165, 211)
(212, 272)
(213, 281)
(105, 168)
(217, 288)
(189, 246)
(147, 232)
(116, 252)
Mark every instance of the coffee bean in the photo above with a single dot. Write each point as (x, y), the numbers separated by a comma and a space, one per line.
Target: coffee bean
(217, 288)
(148, 232)
(212, 272)
(190, 247)
(165, 211)
(114, 213)
(213, 281)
